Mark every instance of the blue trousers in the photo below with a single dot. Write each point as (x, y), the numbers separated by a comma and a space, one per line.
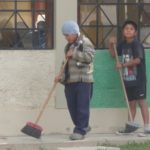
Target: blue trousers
(78, 97)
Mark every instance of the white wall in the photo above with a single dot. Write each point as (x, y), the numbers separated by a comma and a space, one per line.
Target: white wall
(26, 77)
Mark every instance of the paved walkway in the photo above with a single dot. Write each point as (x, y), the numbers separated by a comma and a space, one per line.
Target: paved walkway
(59, 141)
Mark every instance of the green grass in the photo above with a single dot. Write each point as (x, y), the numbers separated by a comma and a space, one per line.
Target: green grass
(135, 146)
(131, 146)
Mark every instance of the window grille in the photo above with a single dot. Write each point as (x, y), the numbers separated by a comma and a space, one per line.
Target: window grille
(26, 24)
(100, 19)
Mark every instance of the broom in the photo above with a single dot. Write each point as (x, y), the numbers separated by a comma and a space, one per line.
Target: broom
(130, 126)
(33, 129)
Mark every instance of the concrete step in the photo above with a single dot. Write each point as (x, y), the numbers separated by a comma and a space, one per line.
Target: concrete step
(90, 148)
(62, 142)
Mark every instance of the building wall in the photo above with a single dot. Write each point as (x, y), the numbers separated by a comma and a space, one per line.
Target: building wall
(26, 77)
(108, 91)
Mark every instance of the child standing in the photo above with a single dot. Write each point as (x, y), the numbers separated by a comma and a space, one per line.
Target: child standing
(133, 70)
(78, 78)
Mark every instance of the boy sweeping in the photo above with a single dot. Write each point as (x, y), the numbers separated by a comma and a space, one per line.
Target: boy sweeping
(78, 78)
(133, 70)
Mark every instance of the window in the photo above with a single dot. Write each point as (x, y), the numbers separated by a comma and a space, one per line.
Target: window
(26, 24)
(100, 19)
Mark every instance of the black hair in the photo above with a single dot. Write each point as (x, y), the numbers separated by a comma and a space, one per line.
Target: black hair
(130, 22)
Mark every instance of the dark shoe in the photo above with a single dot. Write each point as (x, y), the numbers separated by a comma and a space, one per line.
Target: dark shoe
(76, 136)
(124, 132)
(129, 128)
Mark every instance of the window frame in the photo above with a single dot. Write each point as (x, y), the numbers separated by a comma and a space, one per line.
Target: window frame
(118, 25)
(48, 11)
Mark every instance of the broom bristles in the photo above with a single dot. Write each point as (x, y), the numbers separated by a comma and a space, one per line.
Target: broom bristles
(34, 125)
(32, 129)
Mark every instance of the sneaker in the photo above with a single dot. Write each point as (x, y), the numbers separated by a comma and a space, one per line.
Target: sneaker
(121, 132)
(87, 129)
(125, 131)
(129, 128)
(76, 136)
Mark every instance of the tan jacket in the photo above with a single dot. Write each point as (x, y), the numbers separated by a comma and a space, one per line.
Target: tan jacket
(80, 66)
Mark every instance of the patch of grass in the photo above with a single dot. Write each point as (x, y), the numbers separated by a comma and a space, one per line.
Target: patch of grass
(130, 146)
(135, 146)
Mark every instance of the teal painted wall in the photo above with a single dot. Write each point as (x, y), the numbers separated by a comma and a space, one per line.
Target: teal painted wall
(107, 91)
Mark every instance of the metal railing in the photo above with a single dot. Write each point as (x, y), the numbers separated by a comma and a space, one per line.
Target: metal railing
(26, 24)
(100, 19)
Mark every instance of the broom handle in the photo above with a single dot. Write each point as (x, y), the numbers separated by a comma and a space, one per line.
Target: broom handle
(50, 93)
(122, 83)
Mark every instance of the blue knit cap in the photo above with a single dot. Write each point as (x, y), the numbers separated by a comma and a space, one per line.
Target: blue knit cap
(70, 27)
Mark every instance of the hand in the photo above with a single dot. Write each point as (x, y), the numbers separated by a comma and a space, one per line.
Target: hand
(113, 40)
(57, 79)
(69, 53)
(119, 65)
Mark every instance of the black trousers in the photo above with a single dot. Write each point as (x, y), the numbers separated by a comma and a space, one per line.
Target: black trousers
(78, 97)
